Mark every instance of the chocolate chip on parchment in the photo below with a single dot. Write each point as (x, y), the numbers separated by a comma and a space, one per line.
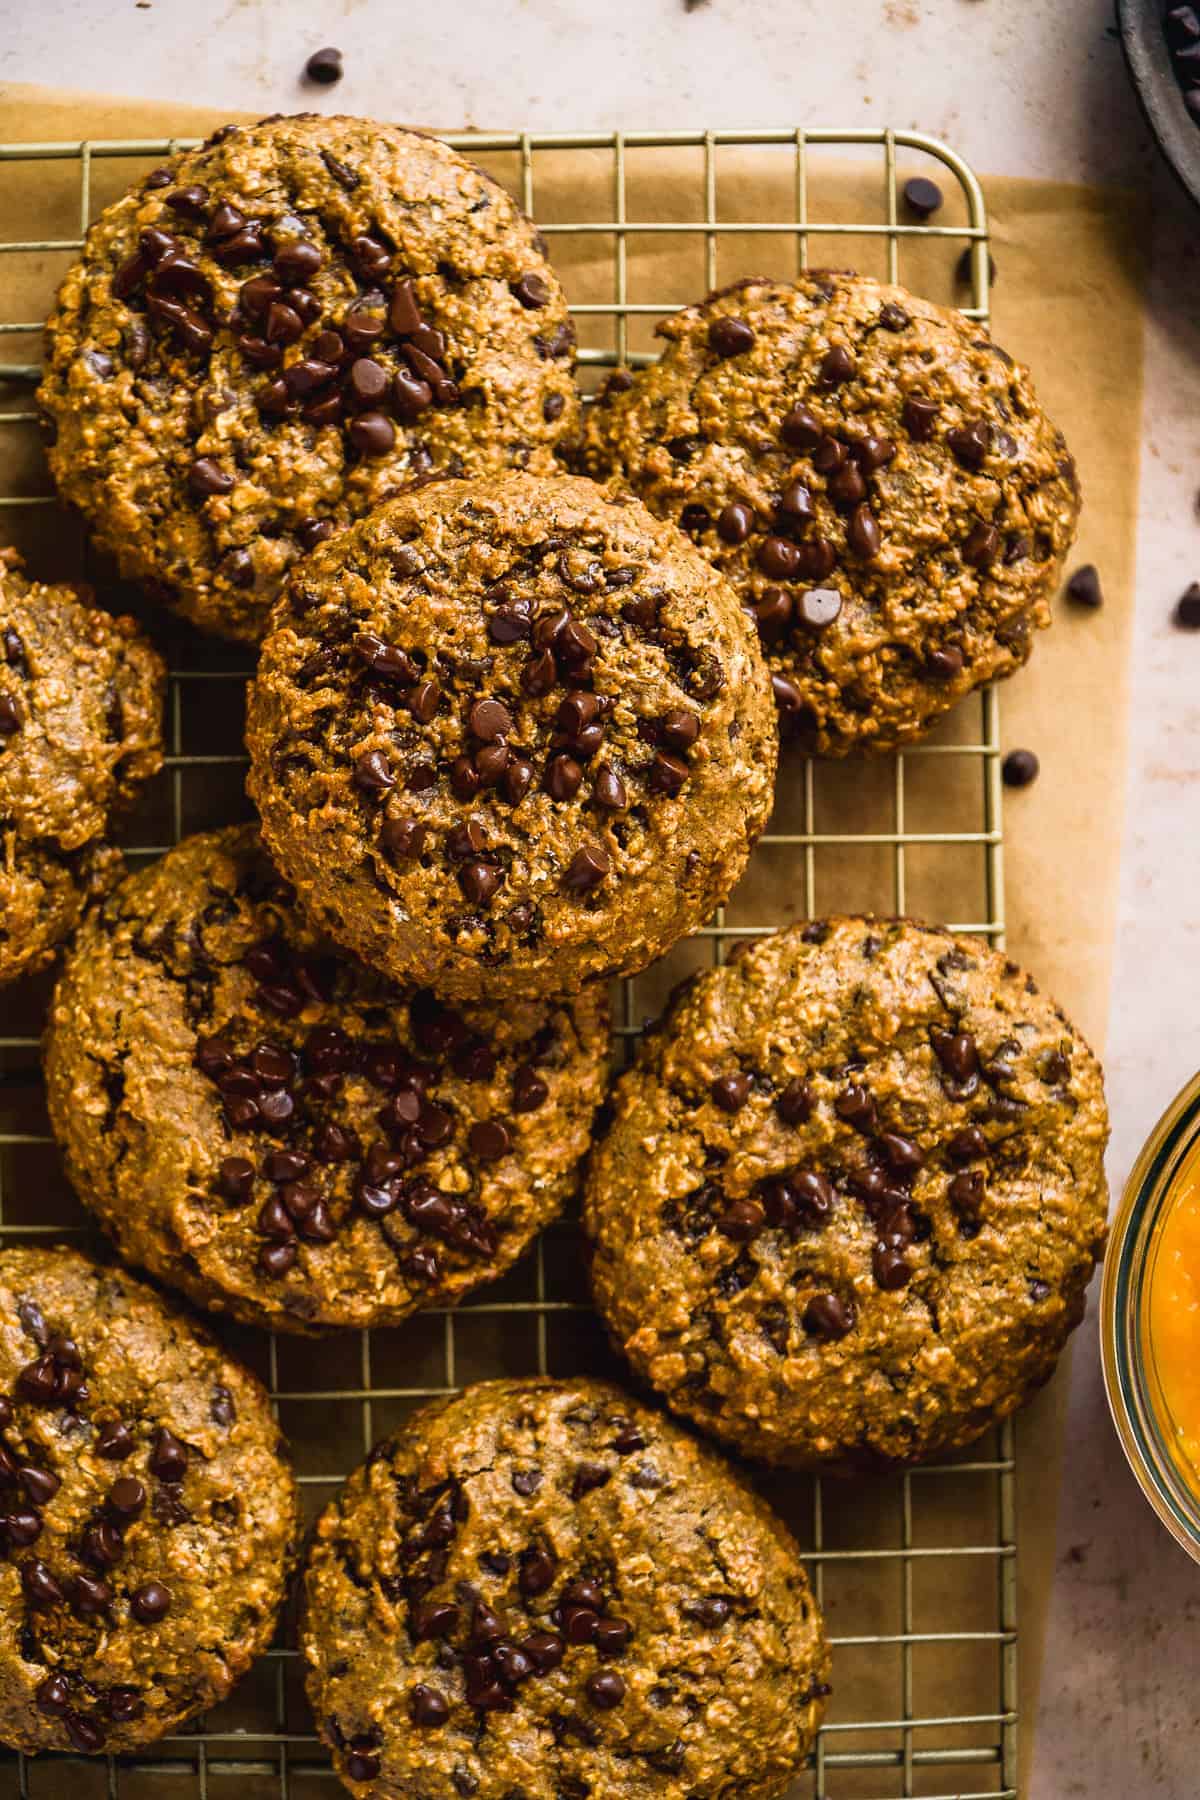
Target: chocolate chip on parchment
(1020, 767)
(324, 66)
(963, 268)
(1084, 586)
(922, 196)
(1187, 608)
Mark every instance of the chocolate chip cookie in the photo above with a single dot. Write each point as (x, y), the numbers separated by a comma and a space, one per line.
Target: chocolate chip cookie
(853, 1194)
(80, 731)
(544, 1588)
(272, 332)
(282, 1134)
(873, 474)
(149, 1515)
(510, 736)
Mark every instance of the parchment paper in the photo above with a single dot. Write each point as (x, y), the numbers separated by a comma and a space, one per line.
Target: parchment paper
(1067, 301)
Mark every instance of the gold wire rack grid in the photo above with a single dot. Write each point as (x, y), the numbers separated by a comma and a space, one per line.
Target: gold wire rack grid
(917, 1573)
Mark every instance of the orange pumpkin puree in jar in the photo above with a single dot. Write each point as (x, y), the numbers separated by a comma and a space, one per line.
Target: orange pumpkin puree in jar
(1175, 1315)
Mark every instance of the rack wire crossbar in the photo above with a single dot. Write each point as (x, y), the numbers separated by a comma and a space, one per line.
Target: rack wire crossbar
(260, 1745)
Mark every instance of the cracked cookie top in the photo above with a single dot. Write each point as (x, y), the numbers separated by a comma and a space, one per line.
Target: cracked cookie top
(275, 330)
(80, 733)
(852, 1194)
(508, 736)
(875, 477)
(149, 1515)
(545, 1588)
(285, 1136)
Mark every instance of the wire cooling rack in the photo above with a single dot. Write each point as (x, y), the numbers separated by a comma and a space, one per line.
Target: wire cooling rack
(917, 1573)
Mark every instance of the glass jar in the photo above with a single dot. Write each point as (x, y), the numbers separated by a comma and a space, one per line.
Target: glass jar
(1150, 1436)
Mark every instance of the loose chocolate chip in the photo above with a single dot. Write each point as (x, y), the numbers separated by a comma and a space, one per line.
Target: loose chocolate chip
(945, 664)
(52, 1694)
(828, 1316)
(1187, 608)
(150, 1602)
(922, 197)
(1084, 586)
(778, 558)
(969, 444)
(531, 291)
(605, 1689)
(373, 773)
(168, 1457)
(114, 1440)
(587, 869)
(372, 433)
(964, 268)
(741, 1221)
(324, 66)
(735, 522)
(801, 429)
(730, 337)
(862, 533)
(917, 417)
(1019, 768)
(837, 366)
(982, 545)
(795, 1102)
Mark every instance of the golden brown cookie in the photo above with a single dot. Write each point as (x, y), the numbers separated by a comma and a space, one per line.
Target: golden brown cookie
(510, 736)
(852, 1195)
(80, 732)
(544, 1588)
(282, 1134)
(272, 332)
(149, 1514)
(875, 477)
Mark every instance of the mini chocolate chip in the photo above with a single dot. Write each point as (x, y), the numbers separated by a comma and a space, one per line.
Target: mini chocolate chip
(945, 664)
(965, 1192)
(922, 196)
(10, 715)
(735, 523)
(819, 607)
(526, 1482)
(837, 366)
(22, 1526)
(730, 337)
(150, 1602)
(38, 1381)
(122, 1703)
(1084, 586)
(741, 1221)
(529, 1089)
(168, 1457)
(828, 1316)
(517, 779)
(862, 533)
(404, 315)
(801, 429)
(532, 291)
(372, 433)
(587, 869)
(373, 773)
(52, 1694)
(982, 545)
(680, 728)
(967, 1144)
(778, 558)
(1019, 768)
(114, 1440)
(796, 504)
(969, 444)
(510, 623)
(424, 701)
(324, 66)
(295, 262)
(579, 1623)
(191, 200)
(816, 560)
(605, 1689)
(362, 1765)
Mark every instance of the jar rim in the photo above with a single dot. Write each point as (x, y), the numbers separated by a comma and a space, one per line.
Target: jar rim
(1131, 1378)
